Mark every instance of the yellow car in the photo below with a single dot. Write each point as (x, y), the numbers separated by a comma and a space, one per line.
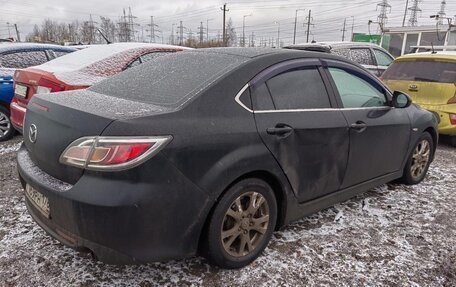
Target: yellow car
(430, 80)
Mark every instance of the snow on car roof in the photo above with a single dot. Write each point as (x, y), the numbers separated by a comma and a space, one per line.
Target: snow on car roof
(94, 64)
(86, 57)
(11, 47)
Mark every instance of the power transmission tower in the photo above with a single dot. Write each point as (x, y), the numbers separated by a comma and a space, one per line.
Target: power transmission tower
(309, 23)
(441, 13)
(224, 23)
(383, 18)
(201, 33)
(127, 26)
(413, 21)
(152, 30)
(181, 34)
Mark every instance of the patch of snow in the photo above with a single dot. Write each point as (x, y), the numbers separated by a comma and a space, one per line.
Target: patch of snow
(9, 148)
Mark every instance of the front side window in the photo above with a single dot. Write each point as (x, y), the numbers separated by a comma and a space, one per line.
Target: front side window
(21, 60)
(298, 89)
(383, 59)
(356, 92)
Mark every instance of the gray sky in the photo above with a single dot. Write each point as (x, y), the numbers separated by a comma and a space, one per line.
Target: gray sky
(328, 16)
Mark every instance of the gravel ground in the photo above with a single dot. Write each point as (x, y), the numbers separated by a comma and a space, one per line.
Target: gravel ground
(393, 235)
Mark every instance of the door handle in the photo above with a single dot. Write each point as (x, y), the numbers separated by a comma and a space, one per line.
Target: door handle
(280, 130)
(359, 126)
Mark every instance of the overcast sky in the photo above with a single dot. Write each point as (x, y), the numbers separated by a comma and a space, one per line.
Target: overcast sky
(328, 16)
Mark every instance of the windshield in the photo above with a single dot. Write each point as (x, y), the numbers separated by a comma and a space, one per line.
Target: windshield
(422, 70)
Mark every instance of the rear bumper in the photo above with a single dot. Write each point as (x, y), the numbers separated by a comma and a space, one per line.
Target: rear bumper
(121, 222)
(17, 116)
(442, 112)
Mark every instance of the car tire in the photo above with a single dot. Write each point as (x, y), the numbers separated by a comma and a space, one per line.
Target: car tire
(241, 224)
(6, 128)
(419, 160)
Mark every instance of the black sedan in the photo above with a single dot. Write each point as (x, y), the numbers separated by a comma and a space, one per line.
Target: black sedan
(209, 151)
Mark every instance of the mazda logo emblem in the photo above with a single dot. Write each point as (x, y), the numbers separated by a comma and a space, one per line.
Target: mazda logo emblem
(33, 133)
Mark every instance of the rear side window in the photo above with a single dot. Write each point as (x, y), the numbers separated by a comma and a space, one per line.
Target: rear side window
(422, 70)
(21, 60)
(298, 89)
(154, 55)
(60, 53)
(356, 92)
(361, 56)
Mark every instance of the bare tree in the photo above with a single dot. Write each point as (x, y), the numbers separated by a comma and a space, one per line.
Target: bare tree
(231, 33)
(108, 28)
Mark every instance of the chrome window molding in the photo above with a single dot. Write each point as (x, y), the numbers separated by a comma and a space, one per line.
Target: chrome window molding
(238, 96)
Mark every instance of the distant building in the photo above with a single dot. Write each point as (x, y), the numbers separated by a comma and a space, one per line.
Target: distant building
(399, 40)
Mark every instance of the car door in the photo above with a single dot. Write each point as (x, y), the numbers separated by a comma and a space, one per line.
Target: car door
(379, 133)
(383, 61)
(364, 57)
(297, 122)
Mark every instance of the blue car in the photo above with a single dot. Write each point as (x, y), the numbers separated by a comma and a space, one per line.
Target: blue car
(19, 56)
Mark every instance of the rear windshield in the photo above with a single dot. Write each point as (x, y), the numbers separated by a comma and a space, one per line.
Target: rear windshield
(169, 80)
(422, 70)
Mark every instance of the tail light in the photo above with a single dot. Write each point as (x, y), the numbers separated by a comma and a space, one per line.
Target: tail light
(43, 90)
(46, 86)
(453, 119)
(112, 153)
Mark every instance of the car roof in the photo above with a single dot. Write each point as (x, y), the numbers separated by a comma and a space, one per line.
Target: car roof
(335, 44)
(251, 53)
(441, 55)
(12, 47)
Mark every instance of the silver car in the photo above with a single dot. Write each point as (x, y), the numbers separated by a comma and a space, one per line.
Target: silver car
(369, 55)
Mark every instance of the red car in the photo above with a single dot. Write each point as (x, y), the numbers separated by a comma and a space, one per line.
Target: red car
(79, 70)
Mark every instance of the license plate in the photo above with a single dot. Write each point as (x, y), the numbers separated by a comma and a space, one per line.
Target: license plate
(40, 201)
(20, 90)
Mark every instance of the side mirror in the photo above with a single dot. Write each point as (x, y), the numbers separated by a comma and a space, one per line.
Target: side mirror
(401, 100)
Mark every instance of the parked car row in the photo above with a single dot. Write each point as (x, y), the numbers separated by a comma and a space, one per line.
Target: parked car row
(80, 70)
(19, 56)
(205, 151)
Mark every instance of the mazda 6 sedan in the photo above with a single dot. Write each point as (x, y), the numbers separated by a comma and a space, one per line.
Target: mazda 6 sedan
(209, 151)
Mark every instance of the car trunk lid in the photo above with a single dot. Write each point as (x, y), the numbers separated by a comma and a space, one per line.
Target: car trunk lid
(54, 121)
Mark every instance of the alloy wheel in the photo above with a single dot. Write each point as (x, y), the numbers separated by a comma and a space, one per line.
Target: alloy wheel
(420, 158)
(5, 124)
(245, 224)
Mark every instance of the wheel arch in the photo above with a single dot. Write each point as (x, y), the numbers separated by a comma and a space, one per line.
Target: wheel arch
(280, 191)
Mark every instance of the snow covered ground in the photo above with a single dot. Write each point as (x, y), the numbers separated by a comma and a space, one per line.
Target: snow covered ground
(393, 235)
